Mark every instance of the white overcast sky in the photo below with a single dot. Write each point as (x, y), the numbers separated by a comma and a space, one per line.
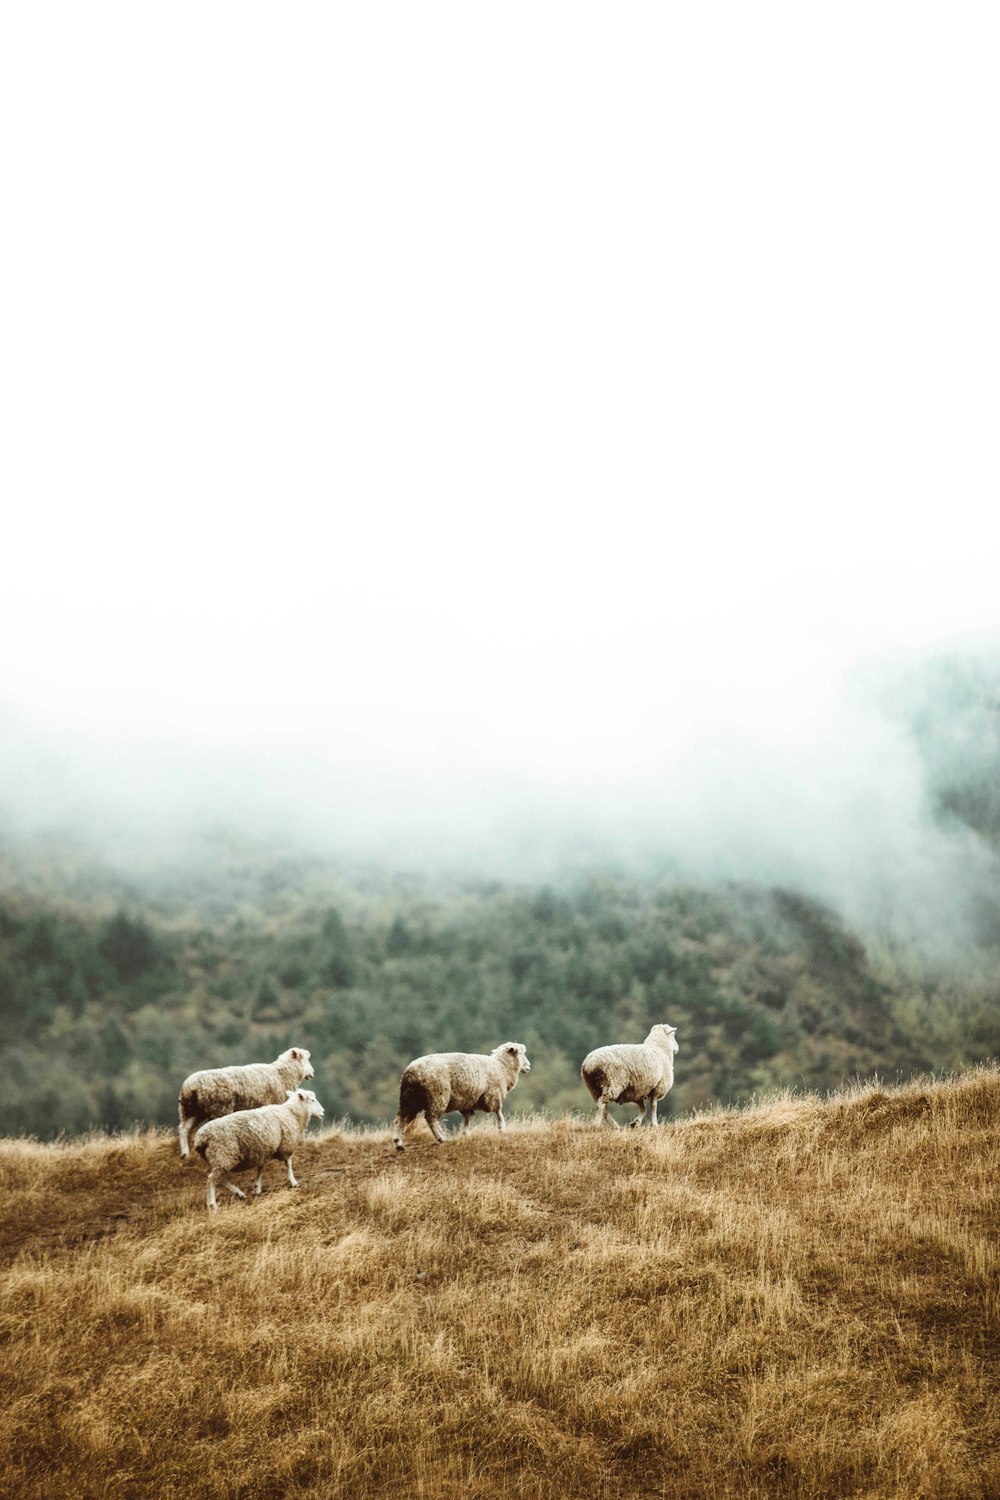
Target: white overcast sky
(555, 398)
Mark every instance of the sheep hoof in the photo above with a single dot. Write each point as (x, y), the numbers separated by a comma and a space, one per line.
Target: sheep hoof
(399, 1146)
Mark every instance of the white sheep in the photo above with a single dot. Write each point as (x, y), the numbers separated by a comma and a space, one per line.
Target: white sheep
(630, 1074)
(444, 1081)
(252, 1137)
(221, 1091)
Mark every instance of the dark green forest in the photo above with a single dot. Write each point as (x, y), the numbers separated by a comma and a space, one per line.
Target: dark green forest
(117, 978)
(102, 1015)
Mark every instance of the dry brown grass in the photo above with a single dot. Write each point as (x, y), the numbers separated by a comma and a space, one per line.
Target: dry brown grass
(798, 1299)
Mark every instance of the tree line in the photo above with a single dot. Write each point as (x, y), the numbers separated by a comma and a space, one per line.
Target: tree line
(101, 1018)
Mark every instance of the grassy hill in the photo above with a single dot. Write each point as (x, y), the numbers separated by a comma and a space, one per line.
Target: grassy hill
(796, 1299)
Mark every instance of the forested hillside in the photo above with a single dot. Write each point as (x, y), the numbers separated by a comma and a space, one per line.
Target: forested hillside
(113, 987)
(951, 706)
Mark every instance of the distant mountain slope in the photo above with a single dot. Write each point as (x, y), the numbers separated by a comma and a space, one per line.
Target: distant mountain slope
(113, 986)
(952, 708)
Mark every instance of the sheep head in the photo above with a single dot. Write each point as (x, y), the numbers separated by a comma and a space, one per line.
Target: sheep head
(515, 1050)
(664, 1036)
(316, 1110)
(301, 1056)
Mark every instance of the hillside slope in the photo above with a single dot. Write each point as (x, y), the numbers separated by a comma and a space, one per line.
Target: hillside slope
(799, 1299)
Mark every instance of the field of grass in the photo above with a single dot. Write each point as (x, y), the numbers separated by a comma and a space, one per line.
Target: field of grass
(796, 1299)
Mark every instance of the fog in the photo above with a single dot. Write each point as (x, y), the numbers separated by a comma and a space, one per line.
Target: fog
(503, 440)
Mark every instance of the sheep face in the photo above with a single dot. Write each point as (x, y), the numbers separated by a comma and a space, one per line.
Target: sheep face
(316, 1110)
(301, 1055)
(664, 1037)
(518, 1050)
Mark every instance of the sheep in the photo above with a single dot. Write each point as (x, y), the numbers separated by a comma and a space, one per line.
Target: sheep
(221, 1091)
(443, 1081)
(629, 1074)
(251, 1137)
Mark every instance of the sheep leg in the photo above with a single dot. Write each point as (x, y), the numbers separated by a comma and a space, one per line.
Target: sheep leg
(436, 1130)
(397, 1133)
(291, 1175)
(217, 1176)
(602, 1116)
(258, 1186)
(467, 1117)
(652, 1110)
(640, 1116)
(184, 1131)
(501, 1122)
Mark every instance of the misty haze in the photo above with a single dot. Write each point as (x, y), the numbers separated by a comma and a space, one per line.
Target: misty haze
(808, 887)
